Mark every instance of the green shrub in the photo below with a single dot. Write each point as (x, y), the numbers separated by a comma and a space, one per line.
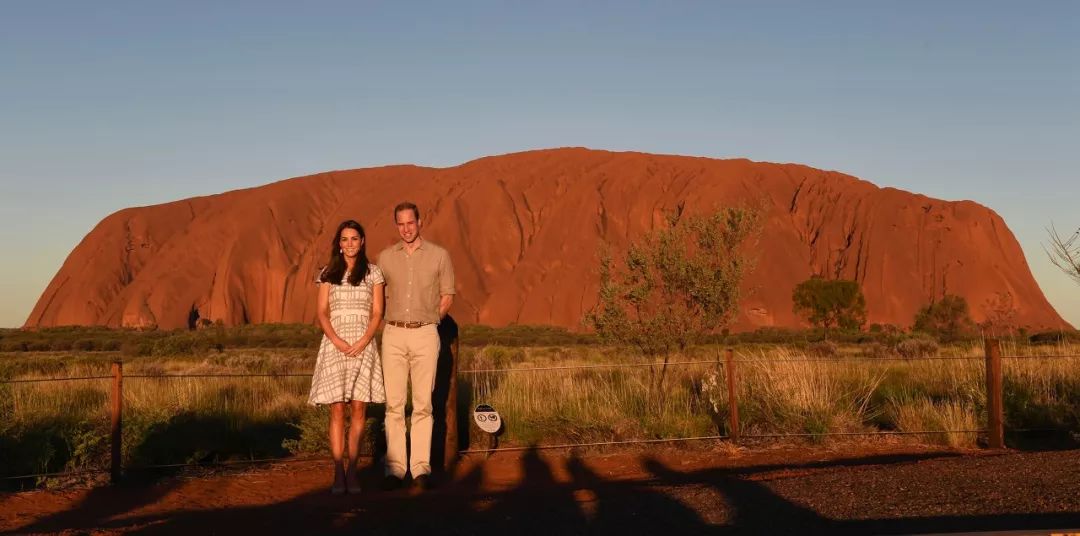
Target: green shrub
(1055, 337)
(311, 430)
(823, 349)
(13, 346)
(61, 345)
(177, 345)
(85, 345)
(133, 348)
(948, 319)
(878, 350)
(917, 347)
(310, 436)
(38, 346)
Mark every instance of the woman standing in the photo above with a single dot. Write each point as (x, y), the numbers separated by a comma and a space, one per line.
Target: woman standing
(348, 369)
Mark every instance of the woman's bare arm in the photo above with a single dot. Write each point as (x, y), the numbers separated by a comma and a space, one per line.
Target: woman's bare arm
(322, 305)
(373, 321)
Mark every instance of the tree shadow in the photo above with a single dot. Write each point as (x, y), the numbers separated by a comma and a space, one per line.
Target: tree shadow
(581, 501)
(854, 461)
(759, 510)
(615, 505)
(1047, 440)
(754, 508)
(193, 438)
(100, 505)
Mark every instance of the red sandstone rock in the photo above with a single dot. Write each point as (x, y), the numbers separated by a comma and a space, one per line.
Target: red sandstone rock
(523, 231)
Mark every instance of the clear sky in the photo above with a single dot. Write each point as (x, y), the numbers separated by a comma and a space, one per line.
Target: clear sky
(108, 104)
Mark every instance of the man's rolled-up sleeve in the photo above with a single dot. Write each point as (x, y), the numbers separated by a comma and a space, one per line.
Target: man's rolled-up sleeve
(446, 276)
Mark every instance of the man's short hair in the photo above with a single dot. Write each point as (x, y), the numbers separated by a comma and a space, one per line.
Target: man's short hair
(406, 205)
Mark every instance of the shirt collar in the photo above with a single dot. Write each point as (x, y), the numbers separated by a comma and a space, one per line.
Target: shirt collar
(400, 246)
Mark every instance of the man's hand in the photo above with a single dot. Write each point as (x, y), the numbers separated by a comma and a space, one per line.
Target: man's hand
(445, 301)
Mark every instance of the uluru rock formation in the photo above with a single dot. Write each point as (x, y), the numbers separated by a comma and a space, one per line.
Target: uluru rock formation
(523, 231)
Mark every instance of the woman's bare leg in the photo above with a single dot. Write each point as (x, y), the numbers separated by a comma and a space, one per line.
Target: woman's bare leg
(337, 441)
(356, 434)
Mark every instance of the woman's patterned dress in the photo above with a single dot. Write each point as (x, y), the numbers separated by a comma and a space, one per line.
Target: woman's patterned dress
(339, 378)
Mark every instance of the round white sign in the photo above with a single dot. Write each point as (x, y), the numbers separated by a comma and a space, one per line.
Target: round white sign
(487, 419)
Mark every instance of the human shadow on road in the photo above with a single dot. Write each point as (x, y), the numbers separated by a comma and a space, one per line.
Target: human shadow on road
(538, 503)
(444, 380)
(544, 500)
(631, 506)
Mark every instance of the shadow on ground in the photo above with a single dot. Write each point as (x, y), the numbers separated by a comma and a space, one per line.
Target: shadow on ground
(666, 500)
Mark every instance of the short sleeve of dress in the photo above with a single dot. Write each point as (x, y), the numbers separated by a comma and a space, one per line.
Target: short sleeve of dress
(376, 275)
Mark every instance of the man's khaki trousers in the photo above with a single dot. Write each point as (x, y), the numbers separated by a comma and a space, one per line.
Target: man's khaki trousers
(409, 354)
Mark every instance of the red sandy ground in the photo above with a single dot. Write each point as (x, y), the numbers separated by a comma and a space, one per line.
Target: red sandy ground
(890, 490)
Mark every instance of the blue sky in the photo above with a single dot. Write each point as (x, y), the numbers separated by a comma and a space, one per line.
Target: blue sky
(105, 105)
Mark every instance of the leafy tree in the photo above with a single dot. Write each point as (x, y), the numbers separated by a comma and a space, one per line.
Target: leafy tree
(830, 303)
(1064, 252)
(676, 284)
(948, 319)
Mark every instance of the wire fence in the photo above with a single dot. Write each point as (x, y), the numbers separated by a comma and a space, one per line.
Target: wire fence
(228, 375)
(651, 364)
(715, 437)
(992, 360)
(158, 467)
(60, 379)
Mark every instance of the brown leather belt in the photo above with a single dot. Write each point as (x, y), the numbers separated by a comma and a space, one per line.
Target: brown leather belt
(407, 325)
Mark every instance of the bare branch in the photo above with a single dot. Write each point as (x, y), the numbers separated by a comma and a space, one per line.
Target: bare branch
(1064, 252)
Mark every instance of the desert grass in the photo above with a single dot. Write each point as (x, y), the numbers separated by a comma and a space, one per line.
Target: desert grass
(64, 425)
(781, 390)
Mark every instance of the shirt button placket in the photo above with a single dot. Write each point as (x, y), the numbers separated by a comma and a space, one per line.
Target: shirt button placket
(408, 293)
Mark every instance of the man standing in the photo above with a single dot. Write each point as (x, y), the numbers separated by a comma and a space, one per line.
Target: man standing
(419, 292)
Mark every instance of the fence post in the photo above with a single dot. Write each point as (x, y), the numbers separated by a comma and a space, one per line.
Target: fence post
(117, 408)
(451, 451)
(733, 402)
(995, 408)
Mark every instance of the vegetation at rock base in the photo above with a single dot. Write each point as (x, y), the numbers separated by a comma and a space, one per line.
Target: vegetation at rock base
(948, 319)
(830, 303)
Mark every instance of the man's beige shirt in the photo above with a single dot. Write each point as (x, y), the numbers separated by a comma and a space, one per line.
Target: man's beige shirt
(415, 282)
